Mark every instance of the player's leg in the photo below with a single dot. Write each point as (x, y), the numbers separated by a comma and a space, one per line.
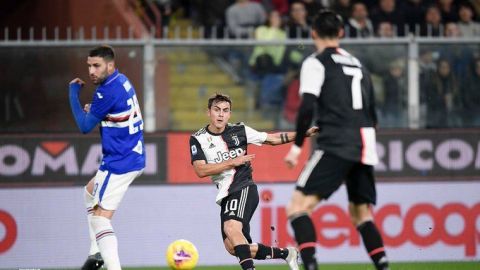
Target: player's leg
(298, 211)
(94, 260)
(322, 175)
(109, 191)
(260, 251)
(232, 215)
(362, 194)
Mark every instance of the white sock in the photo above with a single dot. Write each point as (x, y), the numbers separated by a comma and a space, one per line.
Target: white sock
(89, 205)
(107, 242)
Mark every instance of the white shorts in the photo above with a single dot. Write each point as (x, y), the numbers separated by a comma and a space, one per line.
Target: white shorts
(109, 188)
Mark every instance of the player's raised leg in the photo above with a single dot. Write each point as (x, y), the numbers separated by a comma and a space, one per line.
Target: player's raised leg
(94, 260)
(236, 244)
(262, 252)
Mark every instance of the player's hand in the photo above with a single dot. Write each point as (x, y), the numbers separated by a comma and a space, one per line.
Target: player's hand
(292, 157)
(86, 108)
(312, 131)
(78, 81)
(242, 160)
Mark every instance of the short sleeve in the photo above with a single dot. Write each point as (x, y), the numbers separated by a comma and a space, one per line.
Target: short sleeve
(255, 137)
(312, 76)
(103, 101)
(196, 152)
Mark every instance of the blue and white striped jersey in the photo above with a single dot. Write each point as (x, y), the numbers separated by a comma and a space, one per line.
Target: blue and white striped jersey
(115, 102)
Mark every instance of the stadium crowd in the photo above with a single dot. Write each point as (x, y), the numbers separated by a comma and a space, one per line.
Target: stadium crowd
(363, 18)
(448, 74)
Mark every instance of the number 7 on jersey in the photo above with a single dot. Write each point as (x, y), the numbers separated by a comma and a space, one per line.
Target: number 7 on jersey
(357, 103)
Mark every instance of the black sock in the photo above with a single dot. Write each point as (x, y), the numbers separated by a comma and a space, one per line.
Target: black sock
(306, 238)
(266, 252)
(374, 244)
(244, 256)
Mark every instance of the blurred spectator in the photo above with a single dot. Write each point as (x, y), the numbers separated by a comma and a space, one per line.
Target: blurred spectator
(415, 12)
(211, 15)
(395, 96)
(432, 26)
(359, 25)
(242, 17)
(470, 92)
(468, 27)
(266, 63)
(428, 68)
(370, 3)
(312, 7)
(343, 8)
(292, 102)
(476, 6)
(448, 11)
(452, 30)
(385, 30)
(442, 98)
(297, 26)
(268, 58)
(388, 12)
(165, 7)
(279, 5)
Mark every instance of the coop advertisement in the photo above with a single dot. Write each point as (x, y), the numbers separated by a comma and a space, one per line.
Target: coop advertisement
(432, 221)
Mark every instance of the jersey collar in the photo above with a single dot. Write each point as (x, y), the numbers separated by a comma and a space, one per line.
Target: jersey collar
(216, 134)
(110, 77)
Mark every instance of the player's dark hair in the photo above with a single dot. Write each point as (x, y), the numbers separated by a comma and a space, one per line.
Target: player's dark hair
(327, 24)
(104, 51)
(218, 97)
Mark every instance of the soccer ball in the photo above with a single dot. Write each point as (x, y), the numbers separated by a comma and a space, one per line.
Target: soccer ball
(181, 255)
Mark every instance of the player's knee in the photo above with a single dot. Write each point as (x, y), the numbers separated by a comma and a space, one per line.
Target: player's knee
(360, 214)
(229, 249)
(295, 208)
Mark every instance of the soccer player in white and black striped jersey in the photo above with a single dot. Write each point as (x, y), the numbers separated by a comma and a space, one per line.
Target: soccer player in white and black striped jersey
(219, 150)
(341, 88)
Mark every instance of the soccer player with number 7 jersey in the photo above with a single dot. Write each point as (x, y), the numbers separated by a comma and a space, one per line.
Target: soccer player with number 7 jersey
(115, 107)
(335, 83)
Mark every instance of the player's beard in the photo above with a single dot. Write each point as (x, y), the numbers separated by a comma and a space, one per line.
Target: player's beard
(100, 78)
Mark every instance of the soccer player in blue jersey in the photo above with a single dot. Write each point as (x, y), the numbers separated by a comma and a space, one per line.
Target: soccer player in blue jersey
(115, 107)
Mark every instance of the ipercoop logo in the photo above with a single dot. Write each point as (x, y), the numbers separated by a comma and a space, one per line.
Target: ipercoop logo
(59, 158)
(334, 228)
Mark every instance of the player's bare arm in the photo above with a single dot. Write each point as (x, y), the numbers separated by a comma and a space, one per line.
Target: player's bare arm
(204, 169)
(286, 137)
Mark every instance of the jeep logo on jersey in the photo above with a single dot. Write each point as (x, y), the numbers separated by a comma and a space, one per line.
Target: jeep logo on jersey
(235, 139)
(52, 160)
(222, 156)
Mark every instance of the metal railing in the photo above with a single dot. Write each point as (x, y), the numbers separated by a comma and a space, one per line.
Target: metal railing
(149, 44)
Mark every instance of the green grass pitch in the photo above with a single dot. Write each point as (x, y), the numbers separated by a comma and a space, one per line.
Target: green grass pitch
(394, 266)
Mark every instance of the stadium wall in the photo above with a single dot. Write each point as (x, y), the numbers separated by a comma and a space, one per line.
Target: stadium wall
(46, 227)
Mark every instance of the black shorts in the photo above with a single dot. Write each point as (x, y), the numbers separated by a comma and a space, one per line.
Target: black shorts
(240, 206)
(324, 173)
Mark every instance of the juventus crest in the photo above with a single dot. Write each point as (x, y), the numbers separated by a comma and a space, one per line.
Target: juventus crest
(235, 139)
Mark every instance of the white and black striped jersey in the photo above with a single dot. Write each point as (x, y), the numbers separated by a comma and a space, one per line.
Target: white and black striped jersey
(345, 104)
(216, 148)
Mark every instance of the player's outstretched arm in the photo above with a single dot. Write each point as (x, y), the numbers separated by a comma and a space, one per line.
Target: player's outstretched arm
(204, 169)
(286, 137)
(85, 120)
